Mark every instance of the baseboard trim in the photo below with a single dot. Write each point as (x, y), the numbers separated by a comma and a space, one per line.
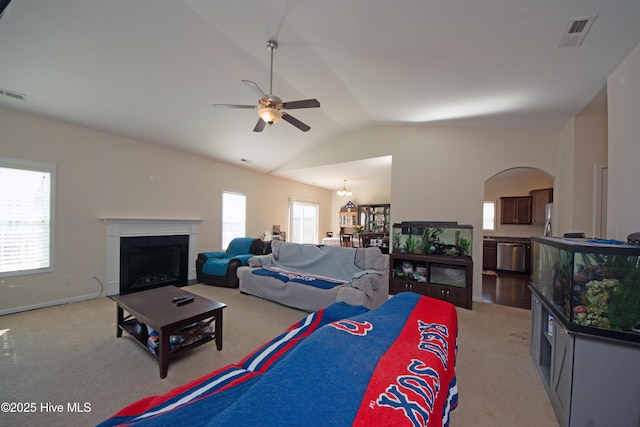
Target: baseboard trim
(48, 304)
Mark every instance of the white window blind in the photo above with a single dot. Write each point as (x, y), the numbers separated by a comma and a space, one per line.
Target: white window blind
(233, 217)
(26, 212)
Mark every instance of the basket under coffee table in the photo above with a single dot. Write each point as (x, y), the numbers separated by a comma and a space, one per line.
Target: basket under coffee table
(155, 308)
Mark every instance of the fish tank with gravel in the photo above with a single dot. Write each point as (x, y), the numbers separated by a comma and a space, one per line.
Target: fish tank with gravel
(432, 238)
(594, 286)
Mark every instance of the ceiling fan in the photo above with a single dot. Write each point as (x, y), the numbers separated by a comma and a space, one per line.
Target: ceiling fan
(270, 107)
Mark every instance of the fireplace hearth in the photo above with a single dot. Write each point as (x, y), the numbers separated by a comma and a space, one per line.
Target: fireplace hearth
(148, 262)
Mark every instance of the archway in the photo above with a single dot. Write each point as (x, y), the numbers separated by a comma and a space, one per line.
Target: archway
(532, 186)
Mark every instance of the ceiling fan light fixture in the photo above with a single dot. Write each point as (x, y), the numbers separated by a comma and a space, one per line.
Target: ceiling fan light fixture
(270, 115)
(344, 191)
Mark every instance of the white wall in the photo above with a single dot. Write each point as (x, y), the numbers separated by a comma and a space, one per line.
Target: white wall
(590, 149)
(583, 145)
(439, 173)
(102, 175)
(623, 85)
(564, 184)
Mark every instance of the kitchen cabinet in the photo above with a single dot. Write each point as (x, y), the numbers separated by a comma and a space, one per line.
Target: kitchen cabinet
(539, 198)
(448, 278)
(489, 254)
(515, 210)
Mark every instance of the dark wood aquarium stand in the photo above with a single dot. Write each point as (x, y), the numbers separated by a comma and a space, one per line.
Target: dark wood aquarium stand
(459, 294)
(196, 323)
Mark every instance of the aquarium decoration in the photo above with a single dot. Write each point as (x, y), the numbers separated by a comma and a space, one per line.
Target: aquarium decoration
(610, 299)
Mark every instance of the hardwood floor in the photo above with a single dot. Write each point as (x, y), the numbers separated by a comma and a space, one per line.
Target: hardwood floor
(504, 288)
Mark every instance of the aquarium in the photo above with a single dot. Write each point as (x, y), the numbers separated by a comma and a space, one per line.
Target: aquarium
(592, 285)
(432, 238)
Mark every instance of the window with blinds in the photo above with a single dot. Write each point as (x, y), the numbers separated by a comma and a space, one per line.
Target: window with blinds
(234, 214)
(26, 217)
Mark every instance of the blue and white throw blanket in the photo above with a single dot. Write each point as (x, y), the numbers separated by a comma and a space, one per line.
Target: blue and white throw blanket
(341, 366)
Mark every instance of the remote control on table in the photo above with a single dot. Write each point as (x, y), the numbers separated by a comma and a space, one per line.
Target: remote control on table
(185, 301)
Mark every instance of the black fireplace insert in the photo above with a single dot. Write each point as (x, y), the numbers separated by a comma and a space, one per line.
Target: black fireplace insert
(149, 262)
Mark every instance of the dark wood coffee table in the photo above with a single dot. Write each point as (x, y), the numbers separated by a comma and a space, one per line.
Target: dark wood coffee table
(192, 322)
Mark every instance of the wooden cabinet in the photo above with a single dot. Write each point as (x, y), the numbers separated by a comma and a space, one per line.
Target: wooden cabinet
(526, 209)
(489, 255)
(447, 278)
(375, 218)
(539, 198)
(515, 210)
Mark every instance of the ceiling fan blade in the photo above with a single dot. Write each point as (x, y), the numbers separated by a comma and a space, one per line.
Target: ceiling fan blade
(254, 87)
(260, 125)
(253, 107)
(306, 103)
(297, 123)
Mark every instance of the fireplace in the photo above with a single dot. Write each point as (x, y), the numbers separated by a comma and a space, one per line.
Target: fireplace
(120, 228)
(149, 262)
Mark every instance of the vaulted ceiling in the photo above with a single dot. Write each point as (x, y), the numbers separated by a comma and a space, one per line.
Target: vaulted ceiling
(151, 69)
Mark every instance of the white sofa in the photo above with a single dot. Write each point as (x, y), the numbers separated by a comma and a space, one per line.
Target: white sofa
(311, 277)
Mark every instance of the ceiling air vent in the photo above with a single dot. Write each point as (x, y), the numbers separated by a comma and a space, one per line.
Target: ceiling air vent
(12, 94)
(576, 31)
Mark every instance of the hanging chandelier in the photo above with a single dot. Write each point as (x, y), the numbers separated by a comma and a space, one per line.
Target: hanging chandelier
(344, 191)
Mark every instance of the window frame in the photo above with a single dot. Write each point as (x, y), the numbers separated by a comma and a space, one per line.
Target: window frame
(50, 168)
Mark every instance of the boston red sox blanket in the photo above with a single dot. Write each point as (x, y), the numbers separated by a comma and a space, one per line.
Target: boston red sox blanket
(340, 366)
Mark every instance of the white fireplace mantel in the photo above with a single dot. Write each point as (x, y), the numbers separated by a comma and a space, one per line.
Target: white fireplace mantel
(136, 227)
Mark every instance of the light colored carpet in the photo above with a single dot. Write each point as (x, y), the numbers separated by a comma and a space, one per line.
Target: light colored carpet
(69, 355)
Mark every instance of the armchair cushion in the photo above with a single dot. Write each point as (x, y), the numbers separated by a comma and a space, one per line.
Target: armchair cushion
(220, 268)
(218, 262)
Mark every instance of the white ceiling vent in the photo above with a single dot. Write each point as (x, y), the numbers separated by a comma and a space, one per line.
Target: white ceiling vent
(576, 31)
(12, 94)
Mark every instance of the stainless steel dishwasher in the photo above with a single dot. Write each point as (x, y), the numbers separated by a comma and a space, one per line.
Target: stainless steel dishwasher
(511, 256)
